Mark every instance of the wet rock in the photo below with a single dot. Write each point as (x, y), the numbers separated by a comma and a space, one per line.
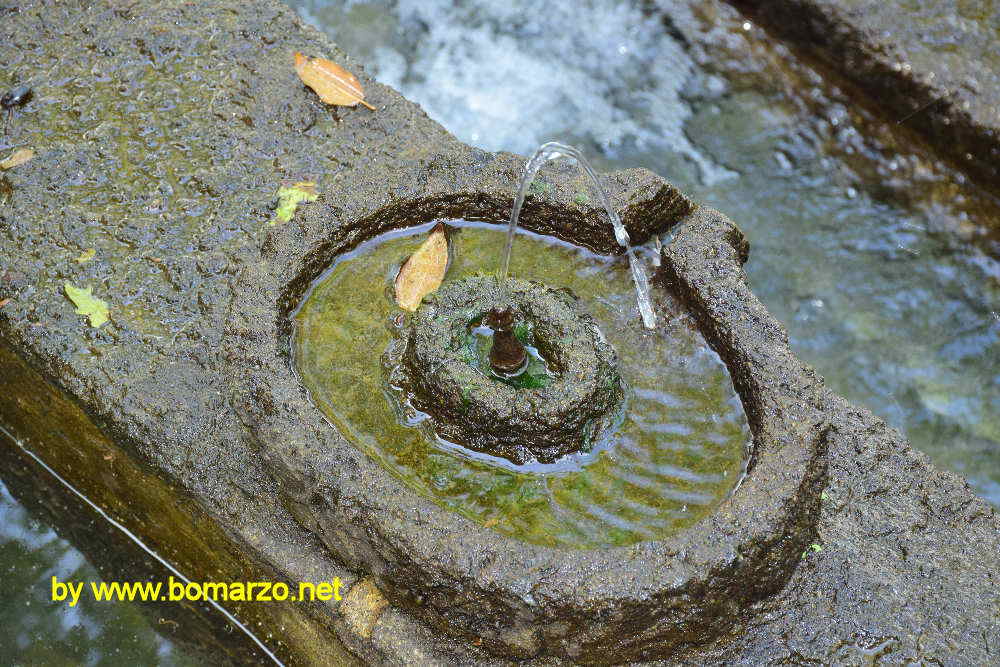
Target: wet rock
(470, 407)
(933, 66)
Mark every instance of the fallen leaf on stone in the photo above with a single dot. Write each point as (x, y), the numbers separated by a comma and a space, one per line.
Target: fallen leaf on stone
(423, 272)
(17, 158)
(814, 547)
(333, 83)
(87, 304)
(289, 199)
(86, 255)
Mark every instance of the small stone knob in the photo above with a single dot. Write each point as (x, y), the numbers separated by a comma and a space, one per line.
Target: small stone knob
(507, 356)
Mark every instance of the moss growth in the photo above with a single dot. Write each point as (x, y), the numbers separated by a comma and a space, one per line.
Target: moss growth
(539, 189)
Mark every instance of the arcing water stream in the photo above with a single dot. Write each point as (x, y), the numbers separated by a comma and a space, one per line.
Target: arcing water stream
(553, 151)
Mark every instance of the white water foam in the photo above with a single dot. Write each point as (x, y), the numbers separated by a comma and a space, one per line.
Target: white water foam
(601, 75)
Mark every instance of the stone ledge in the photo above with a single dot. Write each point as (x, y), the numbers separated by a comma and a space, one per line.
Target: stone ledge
(948, 93)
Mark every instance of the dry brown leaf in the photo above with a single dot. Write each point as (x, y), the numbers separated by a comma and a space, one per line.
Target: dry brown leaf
(333, 83)
(17, 158)
(423, 272)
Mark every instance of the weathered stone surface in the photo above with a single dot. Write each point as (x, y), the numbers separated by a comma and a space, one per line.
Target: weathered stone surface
(903, 547)
(519, 599)
(933, 66)
(585, 395)
(161, 134)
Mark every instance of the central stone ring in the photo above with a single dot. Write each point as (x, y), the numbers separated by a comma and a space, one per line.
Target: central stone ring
(584, 396)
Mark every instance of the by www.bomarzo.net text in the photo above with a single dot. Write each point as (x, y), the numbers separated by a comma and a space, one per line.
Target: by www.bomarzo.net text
(173, 590)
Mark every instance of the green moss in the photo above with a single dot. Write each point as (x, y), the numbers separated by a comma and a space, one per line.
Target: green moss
(539, 188)
(528, 380)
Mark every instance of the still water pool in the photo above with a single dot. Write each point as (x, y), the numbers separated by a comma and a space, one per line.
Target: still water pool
(675, 456)
(31, 553)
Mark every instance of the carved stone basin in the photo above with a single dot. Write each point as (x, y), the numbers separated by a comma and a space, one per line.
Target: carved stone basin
(515, 598)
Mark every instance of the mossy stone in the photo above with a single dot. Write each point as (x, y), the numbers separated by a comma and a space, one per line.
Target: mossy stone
(478, 411)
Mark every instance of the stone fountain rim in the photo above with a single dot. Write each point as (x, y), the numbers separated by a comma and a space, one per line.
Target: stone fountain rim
(412, 546)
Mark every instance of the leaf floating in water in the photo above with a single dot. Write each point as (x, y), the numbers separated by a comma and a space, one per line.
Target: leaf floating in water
(333, 83)
(86, 255)
(423, 272)
(289, 199)
(17, 158)
(87, 304)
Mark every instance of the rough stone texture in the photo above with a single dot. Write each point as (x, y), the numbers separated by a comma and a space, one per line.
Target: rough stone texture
(161, 134)
(585, 395)
(464, 579)
(933, 66)
(909, 556)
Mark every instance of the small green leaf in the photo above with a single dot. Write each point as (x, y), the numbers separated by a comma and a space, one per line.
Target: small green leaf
(813, 547)
(87, 304)
(289, 199)
(86, 255)
(822, 495)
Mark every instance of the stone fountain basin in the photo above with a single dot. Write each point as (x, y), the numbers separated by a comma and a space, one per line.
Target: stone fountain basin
(514, 598)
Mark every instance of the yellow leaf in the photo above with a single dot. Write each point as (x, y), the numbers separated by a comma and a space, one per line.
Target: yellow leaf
(87, 304)
(333, 83)
(86, 255)
(17, 158)
(423, 272)
(289, 199)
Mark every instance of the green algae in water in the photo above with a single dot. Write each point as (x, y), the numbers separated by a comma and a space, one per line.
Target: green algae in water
(676, 456)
